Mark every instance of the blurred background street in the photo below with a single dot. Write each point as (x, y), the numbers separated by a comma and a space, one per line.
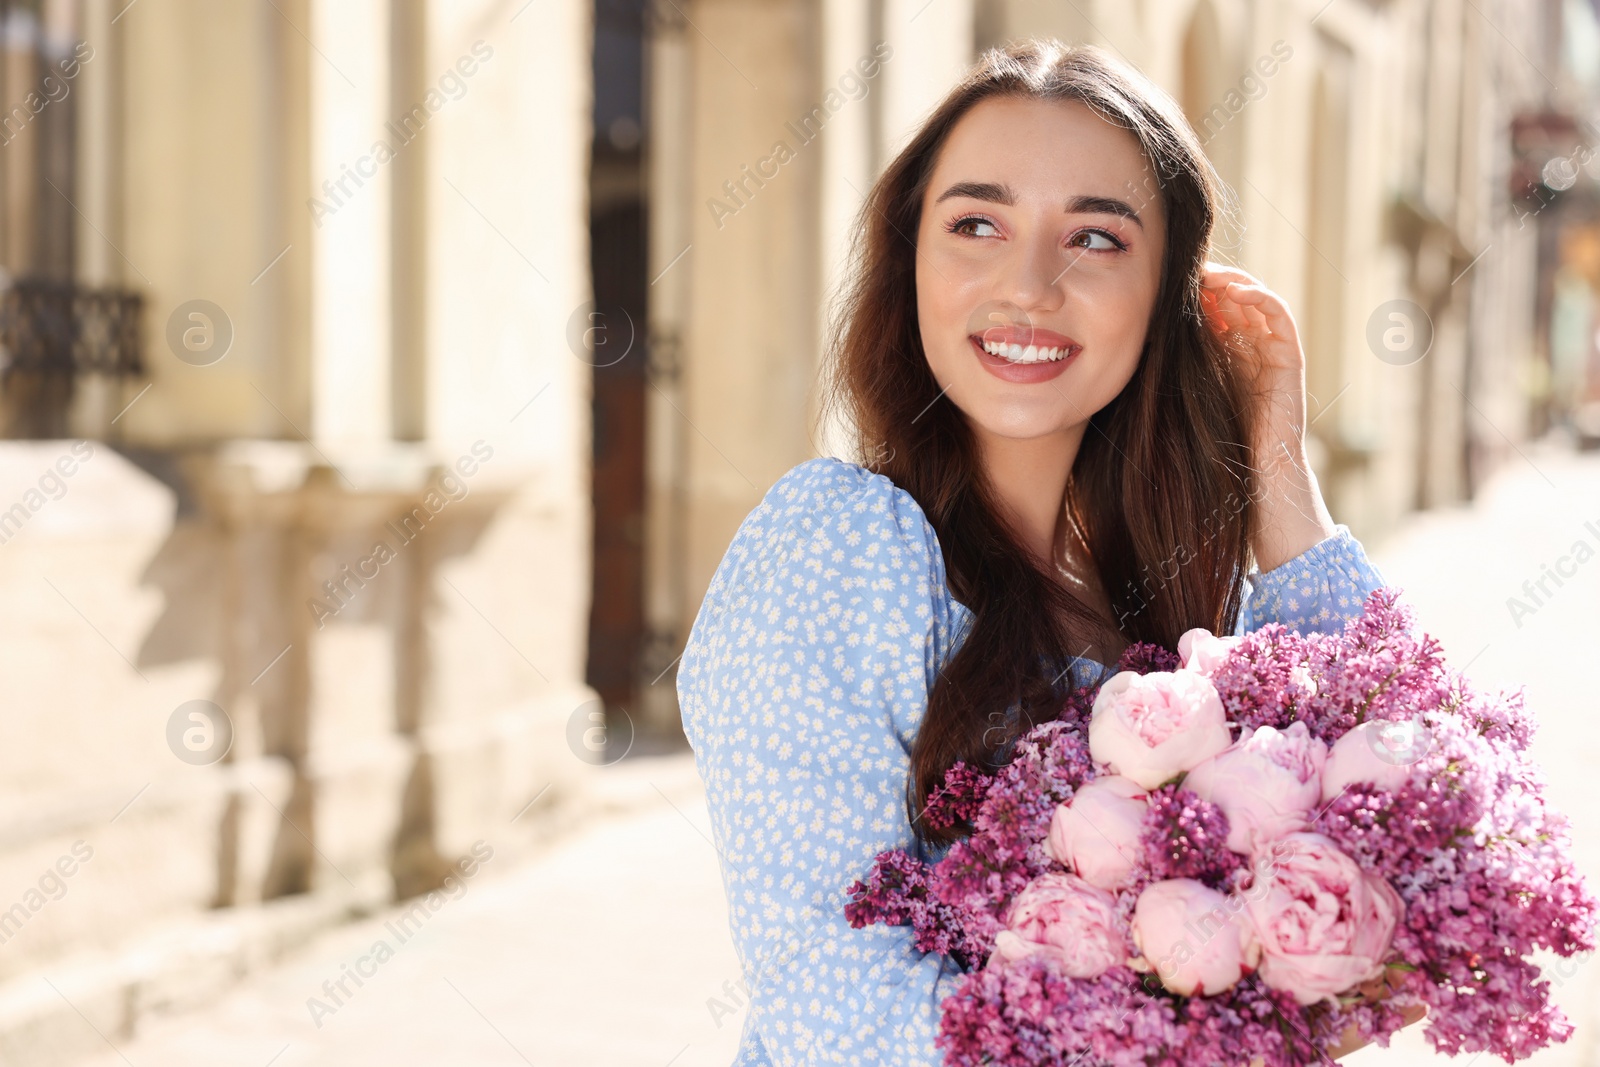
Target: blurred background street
(381, 382)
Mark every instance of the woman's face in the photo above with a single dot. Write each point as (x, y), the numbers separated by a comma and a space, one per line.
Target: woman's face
(1038, 258)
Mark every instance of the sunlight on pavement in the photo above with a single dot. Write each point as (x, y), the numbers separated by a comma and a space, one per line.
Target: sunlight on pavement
(606, 952)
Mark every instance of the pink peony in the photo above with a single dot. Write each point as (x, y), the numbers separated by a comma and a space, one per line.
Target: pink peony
(1151, 727)
(1267, 783)
(1069, 921)
(1364, 755)
(1197, 940)
(1325, 925)
(1301, 676)
(1097, 832)
(1203, 651)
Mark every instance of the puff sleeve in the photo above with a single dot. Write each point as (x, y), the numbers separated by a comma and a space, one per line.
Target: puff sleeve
(1316, 591)
(802, 684)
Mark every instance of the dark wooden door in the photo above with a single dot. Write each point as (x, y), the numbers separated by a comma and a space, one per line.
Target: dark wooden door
(618, 336)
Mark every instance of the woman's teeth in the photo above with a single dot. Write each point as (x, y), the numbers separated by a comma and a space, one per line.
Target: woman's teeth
(1021, 354)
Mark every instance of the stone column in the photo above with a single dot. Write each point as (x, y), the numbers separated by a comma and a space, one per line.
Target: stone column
(351, 149)
(933, 47)
(97, 143)
(851, 160)
(751, 341)
(669, 603)
(196, 161)
(502, 592)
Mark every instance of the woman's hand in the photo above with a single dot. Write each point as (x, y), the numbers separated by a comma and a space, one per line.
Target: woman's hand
(1266, 346)
(1376, 989)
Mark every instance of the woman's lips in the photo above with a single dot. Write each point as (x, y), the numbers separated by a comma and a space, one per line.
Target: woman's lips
(1044, 359)
(997, 341)
(1022, 352)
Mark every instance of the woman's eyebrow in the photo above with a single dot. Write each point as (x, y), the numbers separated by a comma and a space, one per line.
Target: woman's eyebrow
(993, 192)
(1000, 193)
(1102, 205)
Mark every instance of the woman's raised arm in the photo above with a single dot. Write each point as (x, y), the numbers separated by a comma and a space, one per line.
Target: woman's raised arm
(1316, 591)
(802, 684)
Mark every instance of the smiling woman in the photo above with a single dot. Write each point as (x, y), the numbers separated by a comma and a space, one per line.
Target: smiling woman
(1059, 203)
(1026, 342)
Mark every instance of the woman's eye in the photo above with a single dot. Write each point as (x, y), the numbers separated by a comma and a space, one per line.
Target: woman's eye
(972, 226)
(1112, 244)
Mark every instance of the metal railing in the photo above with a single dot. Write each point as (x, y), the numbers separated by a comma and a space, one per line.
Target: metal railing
(51, 334)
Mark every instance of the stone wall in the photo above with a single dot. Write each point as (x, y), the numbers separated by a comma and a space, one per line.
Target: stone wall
(396, 663)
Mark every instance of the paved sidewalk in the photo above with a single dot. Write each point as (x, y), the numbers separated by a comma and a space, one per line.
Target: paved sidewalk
(610, 949)
(603, 953)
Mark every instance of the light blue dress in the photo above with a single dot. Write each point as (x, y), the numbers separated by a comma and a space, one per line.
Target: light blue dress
(802, 684)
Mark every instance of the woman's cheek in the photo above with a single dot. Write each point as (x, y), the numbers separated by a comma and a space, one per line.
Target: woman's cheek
(956, 281)
(945, 302)
(1117, 310)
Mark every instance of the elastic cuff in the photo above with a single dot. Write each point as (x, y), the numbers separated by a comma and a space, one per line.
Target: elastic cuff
(1338, 546)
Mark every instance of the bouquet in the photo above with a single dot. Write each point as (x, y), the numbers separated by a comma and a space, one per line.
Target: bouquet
(1245, 852)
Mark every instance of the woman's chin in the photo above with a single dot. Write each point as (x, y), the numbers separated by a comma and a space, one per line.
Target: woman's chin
(1012, 425)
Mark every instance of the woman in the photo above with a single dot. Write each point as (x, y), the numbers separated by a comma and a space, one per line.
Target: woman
(1080, 430)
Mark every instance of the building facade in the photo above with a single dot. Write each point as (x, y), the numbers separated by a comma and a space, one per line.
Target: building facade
(297, 575)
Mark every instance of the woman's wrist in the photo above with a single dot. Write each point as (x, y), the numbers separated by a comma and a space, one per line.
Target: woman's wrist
(1292, 514)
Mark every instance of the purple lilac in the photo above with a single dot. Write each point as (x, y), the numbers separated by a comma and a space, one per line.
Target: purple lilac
(1142, 657)
(1257, 682)
(895, 893)
(956, 800)
(1186, 837)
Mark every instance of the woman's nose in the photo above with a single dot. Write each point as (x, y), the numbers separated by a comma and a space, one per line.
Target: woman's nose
(1034, 274)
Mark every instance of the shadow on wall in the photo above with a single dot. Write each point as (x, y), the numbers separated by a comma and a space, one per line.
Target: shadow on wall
(316, 599)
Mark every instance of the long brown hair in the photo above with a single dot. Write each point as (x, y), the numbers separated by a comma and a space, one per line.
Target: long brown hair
(1161, 491)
